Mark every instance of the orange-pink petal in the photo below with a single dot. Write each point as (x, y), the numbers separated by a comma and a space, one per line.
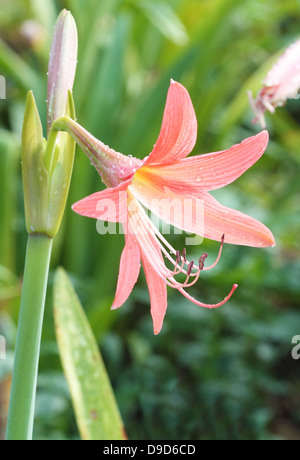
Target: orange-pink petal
(178, 133)
(202, 215)
(128, 272)
(237, 227)
(152, 260)
(212, 170)
(109, 205)
(158, 294)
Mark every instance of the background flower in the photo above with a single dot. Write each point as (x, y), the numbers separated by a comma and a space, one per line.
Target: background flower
(281, 83)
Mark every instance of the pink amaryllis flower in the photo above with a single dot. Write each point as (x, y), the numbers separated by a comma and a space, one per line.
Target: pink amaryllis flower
(167, 177)
(281, 83)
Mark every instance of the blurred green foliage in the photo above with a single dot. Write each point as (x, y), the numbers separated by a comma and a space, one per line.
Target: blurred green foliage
(223, 374)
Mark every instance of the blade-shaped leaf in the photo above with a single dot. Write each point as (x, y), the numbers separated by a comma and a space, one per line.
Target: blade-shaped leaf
(94, 403)
(166, 20)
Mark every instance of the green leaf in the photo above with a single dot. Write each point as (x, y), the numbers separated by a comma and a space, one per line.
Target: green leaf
(9, 163)
(16, 68)
(165, 19)
(96, 411)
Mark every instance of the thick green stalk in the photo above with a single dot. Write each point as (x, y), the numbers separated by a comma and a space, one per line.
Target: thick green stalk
(22, 400)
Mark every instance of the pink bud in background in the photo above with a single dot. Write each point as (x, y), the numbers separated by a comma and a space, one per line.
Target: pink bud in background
(62, 66)
(281, 83)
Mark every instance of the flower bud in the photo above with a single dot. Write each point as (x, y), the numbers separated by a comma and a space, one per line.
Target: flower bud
(47, 165)
(62, 65)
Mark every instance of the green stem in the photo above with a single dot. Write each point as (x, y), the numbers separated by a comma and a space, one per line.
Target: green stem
(22, 400)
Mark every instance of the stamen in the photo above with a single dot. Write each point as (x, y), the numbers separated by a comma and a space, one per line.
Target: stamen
(256, 107)
(201, 304)
(186, 284)
(176, 268)
(152, 241)
(149, 227)
(219, 255)
(161, 239)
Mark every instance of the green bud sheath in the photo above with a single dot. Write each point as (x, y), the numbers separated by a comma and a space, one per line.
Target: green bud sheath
(35, 175)
(46, 169)
(60, 172)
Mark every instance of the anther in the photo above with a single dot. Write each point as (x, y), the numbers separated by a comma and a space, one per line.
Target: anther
(177, 269)
(202, 260)
(190, 267)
